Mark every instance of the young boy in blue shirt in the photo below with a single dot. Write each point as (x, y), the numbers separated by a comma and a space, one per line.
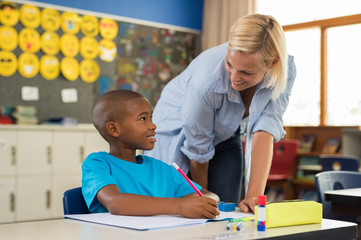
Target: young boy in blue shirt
(125, 184)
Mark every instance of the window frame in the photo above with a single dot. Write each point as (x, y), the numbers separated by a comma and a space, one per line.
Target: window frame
(323, 25)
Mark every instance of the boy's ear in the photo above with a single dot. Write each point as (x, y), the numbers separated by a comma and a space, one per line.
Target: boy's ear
(113, 129)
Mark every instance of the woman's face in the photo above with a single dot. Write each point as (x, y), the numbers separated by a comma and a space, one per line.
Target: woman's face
(245, 70)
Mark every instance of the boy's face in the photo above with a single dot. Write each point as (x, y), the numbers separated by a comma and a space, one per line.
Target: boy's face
(137, 128)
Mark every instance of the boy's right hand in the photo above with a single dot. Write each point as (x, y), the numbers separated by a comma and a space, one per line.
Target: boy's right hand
(194, 206)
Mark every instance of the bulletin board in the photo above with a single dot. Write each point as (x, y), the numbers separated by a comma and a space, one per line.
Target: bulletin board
(142, 58)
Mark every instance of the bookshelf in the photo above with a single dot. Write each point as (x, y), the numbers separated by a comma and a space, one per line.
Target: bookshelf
(306, 164)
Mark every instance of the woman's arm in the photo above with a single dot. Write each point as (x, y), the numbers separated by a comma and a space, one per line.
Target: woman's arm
(191, 205)
(199, 172)
(261, 159)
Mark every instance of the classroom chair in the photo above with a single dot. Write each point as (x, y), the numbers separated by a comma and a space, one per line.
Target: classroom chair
(73, 202)
(334, 180)
(284, 154)
(340, 162)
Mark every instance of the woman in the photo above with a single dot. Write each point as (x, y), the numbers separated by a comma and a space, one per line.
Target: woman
(240, 86)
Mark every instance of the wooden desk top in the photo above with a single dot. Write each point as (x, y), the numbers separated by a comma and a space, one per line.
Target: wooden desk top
(68, 229)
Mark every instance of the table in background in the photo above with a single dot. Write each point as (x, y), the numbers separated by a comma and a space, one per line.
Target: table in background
(346, 201)
(68, 229)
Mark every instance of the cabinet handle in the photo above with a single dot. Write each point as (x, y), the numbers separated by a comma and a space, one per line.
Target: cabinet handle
(49, 155)
(12, 202)
(48, 199)
(81, 151)
(13, 155)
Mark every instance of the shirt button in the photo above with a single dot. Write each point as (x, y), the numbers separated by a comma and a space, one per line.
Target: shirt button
(253, 111)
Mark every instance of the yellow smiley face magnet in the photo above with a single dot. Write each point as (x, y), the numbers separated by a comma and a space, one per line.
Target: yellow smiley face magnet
(89, 26)
(30, 16)
(9, 14)
(70, 22)
(29, 40)
(8, 63)
(8, 38)
(28, 65)
(49, 67)
(69, 67)
(89, 70)
(89, 47)
(69, 45)
(50, 43)
(107, 50)
(50, 19)
(108, 28)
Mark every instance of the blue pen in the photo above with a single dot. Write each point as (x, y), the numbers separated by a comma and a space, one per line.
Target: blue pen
(239, 226)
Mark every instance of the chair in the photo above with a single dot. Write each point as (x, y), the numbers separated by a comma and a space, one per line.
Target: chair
(344, 163)
(334, 180)
(74, 203)
(284, 154)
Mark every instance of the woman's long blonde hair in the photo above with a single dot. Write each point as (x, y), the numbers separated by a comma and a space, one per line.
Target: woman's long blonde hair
(263, 35)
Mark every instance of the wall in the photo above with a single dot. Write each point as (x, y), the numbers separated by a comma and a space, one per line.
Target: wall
(183, 43)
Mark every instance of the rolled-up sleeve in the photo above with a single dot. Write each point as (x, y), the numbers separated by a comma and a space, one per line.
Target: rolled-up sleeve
(270, 119)
(198, 122)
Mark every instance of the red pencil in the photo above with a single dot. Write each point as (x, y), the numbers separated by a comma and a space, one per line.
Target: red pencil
(186, 178)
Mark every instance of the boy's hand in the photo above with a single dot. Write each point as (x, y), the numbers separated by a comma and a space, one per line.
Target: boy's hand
(194, 206)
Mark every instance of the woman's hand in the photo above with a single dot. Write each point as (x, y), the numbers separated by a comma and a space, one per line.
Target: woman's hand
(194, 206)
(248, 204)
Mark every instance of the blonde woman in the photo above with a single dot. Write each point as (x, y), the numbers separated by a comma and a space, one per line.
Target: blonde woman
(240, 87)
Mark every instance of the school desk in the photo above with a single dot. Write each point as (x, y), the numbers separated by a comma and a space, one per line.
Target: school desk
(61, 229)
(345, 201)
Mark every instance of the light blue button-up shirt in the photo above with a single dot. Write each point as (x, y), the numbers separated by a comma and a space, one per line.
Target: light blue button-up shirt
(199, 109)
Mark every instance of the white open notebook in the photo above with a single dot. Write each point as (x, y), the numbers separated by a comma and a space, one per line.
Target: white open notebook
(150, 222)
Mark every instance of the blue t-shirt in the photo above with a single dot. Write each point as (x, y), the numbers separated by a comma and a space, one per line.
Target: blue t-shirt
(151, 177)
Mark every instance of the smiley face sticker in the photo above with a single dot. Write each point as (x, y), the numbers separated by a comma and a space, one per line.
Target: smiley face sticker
(89, 70)
(69, 45)
(89, 47)
(50, 19)
(69, 67)
(89, 26)
(50, 43)
(70, 22)
(28, 65)
(49, 67)
(108, 28)
(29, 40)
(8, 63)
(9, 14)
(30, 16)
(107, 50)
(8, 38)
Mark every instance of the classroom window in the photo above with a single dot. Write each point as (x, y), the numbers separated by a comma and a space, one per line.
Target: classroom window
(325, 44)
(344, 80)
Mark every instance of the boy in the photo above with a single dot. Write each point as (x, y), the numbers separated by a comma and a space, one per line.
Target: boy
(125, 184)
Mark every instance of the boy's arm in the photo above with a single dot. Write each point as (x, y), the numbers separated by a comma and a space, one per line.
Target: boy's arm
(191, 205)
(210, 194)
